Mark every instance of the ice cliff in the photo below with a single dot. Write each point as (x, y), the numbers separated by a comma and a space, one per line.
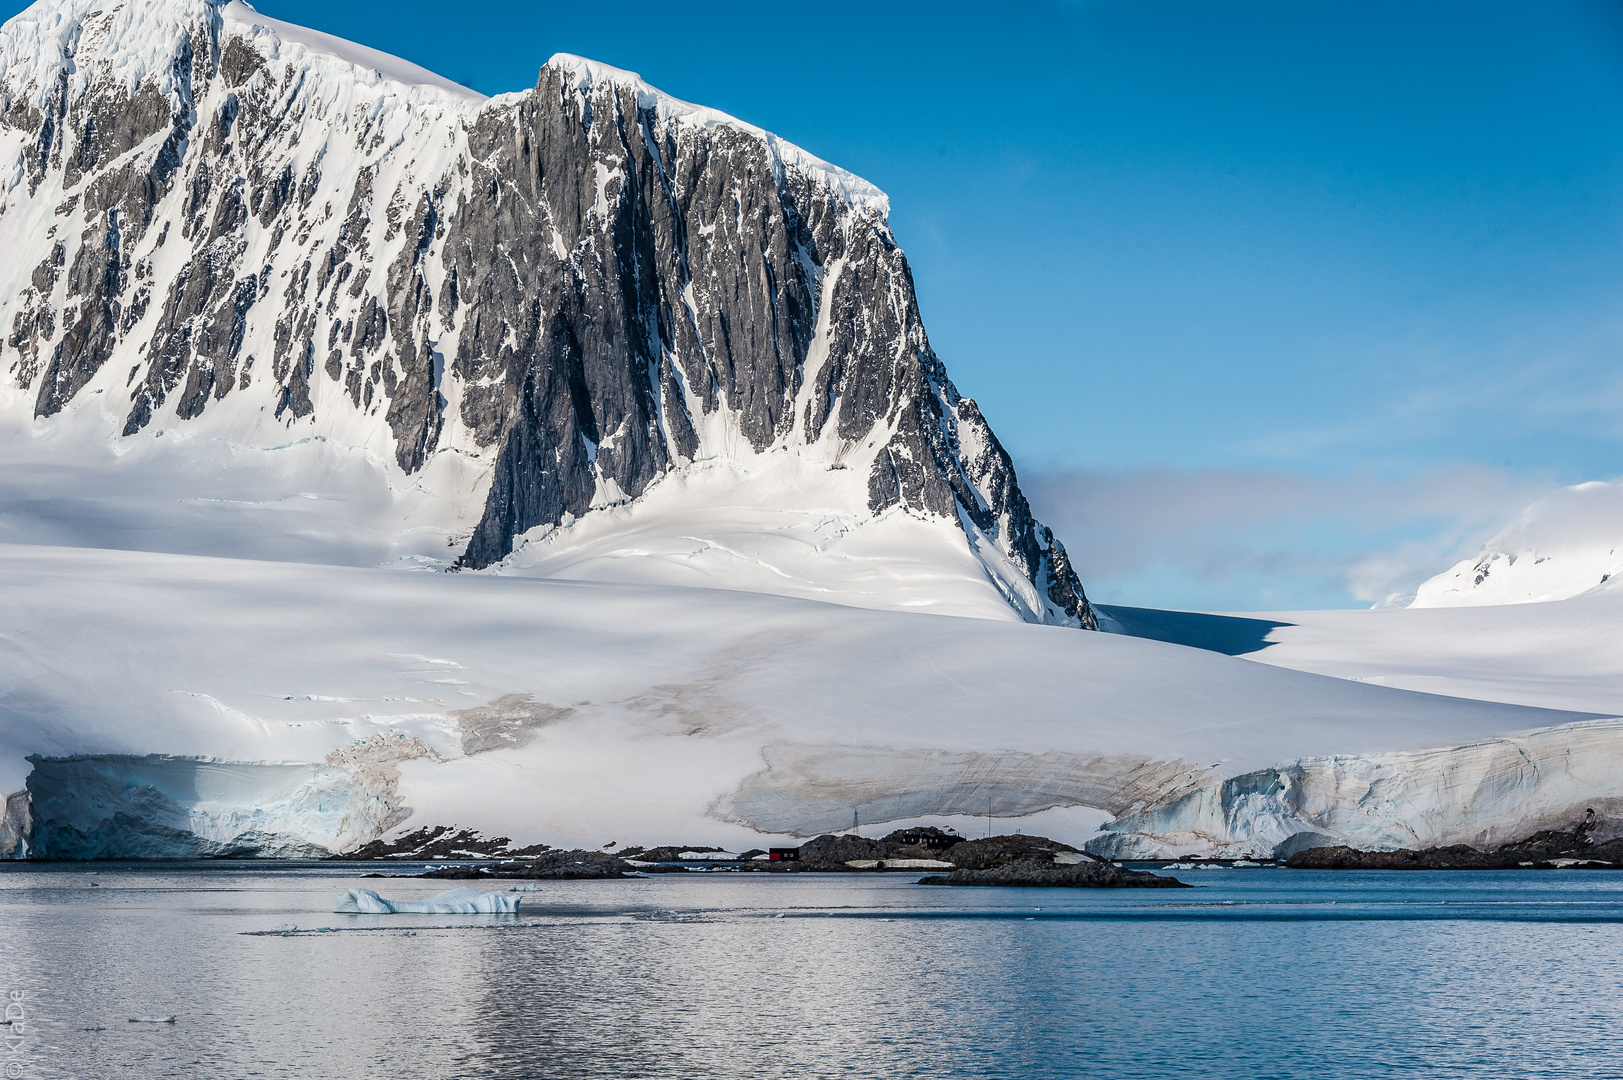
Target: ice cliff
(1483, 793)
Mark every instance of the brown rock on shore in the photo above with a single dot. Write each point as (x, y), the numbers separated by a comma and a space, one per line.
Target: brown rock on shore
(1045, 873)
(1536, 852)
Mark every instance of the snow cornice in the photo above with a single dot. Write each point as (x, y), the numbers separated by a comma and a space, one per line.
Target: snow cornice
(586, 75)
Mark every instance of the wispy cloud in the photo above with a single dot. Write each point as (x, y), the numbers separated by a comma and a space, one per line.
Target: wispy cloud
(1271, 539)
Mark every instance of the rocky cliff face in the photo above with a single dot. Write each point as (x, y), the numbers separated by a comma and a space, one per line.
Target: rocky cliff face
(252, 229)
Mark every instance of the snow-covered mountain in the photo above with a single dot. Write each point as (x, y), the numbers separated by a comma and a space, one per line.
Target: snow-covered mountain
(286, 318)
(553, 319)
(1565, 544)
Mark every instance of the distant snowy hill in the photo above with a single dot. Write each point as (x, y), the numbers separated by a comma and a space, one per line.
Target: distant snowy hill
(518, 318)
(1568, 543)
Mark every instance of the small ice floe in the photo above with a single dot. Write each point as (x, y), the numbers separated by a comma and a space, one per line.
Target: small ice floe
(708, 856)
(528, 886)
(463, 901)
(152, 1019)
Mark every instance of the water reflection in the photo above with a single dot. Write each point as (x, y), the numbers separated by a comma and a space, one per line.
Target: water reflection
(1261, 974)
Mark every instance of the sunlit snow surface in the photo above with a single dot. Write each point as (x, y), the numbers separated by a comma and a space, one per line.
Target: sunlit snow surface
(653, 713)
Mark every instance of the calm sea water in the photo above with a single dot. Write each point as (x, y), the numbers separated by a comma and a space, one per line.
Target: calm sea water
(1257, 974)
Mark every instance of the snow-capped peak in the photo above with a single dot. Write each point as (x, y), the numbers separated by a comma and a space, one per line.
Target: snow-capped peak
(285, 40)
(137, 43)
(222, 226)
(104, 39)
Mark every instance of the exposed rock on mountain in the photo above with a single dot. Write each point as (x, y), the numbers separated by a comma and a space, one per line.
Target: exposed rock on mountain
(224, 223)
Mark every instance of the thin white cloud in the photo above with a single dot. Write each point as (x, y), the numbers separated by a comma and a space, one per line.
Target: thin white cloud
(1271, 539)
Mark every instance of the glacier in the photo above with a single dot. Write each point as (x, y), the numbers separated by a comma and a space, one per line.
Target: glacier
(1484, 794)
(550, 711)
(166, 807)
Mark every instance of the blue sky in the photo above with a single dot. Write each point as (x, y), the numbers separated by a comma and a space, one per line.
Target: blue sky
(1275, 304)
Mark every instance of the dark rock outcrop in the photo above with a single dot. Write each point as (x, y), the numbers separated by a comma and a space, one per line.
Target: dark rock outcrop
(995, 851)
(550, 865)
(1538, 851)
(441, 842)
(843, 849)
(1455, 857)
(1045, 873)
(668, 853)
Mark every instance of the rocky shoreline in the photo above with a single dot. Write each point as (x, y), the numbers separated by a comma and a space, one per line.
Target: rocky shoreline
(1550, 849)
(1089, 874)
(1016, 860)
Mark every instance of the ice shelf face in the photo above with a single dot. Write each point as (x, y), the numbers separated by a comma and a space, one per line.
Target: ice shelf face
(516, 317)
(1482, 794)
(163, 807)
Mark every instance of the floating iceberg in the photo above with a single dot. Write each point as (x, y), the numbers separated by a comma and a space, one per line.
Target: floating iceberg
(463, 901)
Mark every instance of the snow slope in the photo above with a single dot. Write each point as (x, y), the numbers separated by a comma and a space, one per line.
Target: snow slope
(1564, 654)
(1568, 543)
(576, 713)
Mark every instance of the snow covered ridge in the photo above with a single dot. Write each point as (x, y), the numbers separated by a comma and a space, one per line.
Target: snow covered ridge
(528, 308)
(1565, 544)
(588, 74)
